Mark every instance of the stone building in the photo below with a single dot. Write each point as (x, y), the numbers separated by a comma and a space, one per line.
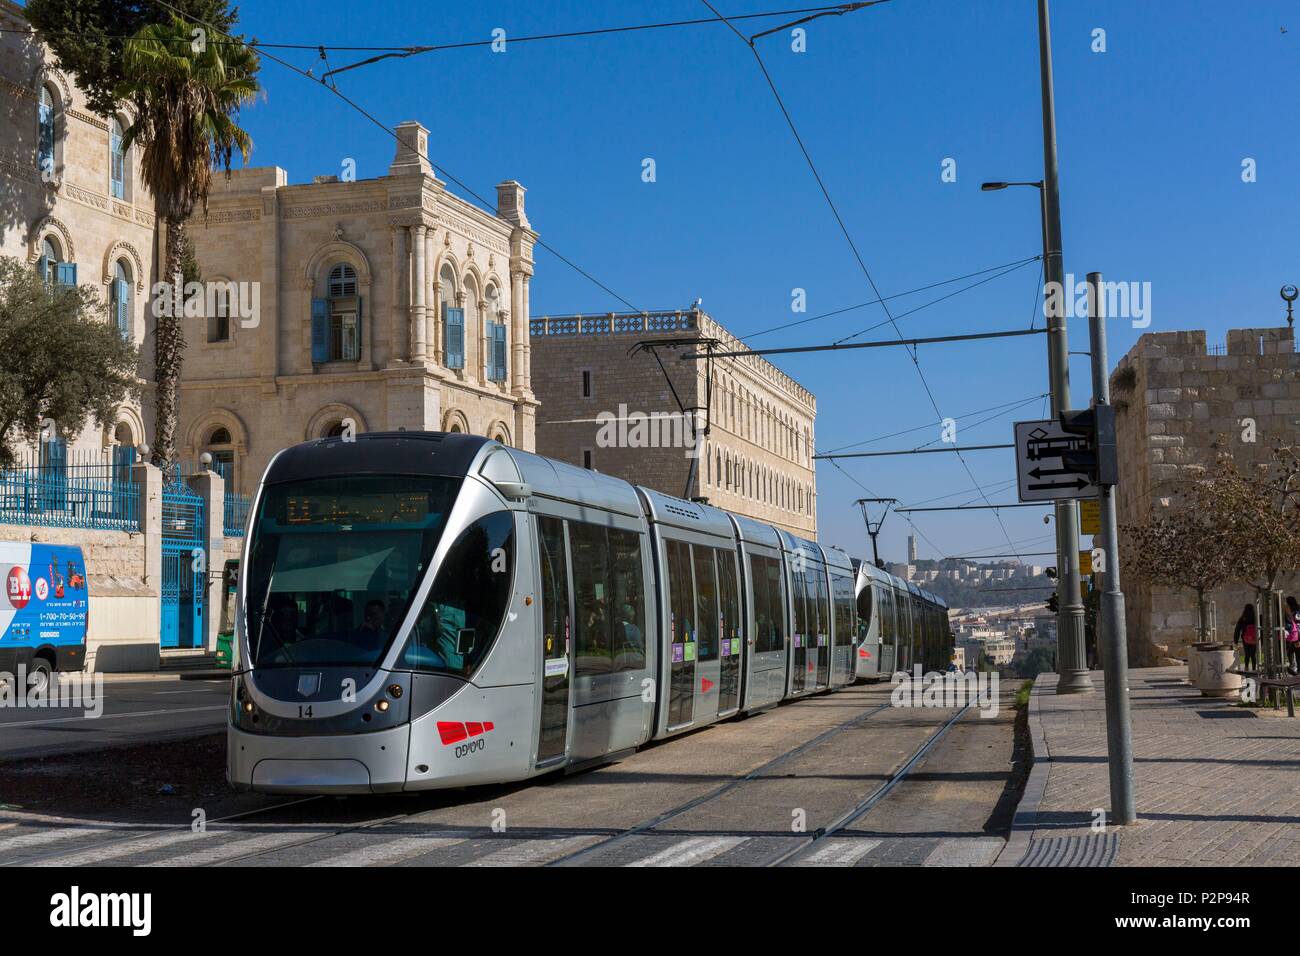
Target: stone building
(386, 301)
(72, 206)
(610, 407)
(1175, 403)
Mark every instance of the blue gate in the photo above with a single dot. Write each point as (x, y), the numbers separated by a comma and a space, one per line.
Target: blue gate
(184, 587)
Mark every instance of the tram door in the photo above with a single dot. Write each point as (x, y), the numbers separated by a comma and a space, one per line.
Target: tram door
(823, 672)
(682, 645)
(555, 614)
(800, 634)
(887, 628)
(708, 650)
(730, 636)
(766, 659)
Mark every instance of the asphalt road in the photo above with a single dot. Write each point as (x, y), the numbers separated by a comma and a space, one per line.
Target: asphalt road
(130, 712)
(752, 792)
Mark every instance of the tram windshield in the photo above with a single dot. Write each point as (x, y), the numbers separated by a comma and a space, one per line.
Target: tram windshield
(335, 563)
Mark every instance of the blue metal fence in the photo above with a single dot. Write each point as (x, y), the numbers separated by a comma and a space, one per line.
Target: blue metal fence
(236, 516)
(60, 489)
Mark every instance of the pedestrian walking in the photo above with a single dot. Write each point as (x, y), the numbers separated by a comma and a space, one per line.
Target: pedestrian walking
(1292, 635)
(1246, 634)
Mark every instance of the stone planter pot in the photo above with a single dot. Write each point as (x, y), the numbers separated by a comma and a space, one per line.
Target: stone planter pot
(1213, 678)
(1194, 660)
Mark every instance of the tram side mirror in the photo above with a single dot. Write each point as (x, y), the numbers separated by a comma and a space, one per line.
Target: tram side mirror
(465, 641)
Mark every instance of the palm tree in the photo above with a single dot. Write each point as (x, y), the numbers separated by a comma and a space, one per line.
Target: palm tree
(183, 93)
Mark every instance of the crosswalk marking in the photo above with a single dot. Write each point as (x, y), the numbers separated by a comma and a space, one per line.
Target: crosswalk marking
(37, 837)
(841, 853)
(394, 851)
(126, 847)
(692, 851)
(525, 852)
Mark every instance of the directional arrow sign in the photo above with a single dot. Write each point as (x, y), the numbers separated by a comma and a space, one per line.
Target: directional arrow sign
(1040, 473)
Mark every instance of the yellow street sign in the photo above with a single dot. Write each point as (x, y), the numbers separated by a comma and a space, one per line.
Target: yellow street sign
(1085, 562)
(1089, 516)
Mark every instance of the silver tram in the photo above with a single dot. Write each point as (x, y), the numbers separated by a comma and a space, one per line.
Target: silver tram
(420, 610)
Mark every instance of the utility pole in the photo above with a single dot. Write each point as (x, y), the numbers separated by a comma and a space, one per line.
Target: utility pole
(1119, 729)
(1072, 665)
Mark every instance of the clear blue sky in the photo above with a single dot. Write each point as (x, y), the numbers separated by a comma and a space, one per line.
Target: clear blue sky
(1152, 135)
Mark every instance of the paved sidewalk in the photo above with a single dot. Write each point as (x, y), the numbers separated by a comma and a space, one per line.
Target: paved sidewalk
(1216, 785)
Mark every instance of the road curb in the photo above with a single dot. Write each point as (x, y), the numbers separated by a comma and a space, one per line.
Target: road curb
(1026, 818)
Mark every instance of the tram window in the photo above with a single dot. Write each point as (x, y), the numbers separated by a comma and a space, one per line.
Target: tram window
(800, 615)
(682, 605)
(823, 602)
(776, 607)
(628, 600)
(758, 592)
(334, 564)
(463, 614)
(593, 650)
(728, 599)
(865, 607)
(706, 602)
(555, 588)
(843, 610)
(887, 616)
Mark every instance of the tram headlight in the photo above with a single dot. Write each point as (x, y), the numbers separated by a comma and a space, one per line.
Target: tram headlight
(248, 706)
(395, 690)
(381, 706)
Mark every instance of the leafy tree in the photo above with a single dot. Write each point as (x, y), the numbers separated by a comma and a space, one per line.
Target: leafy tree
(88, 37)
(1191, 547)
(183, 102)
(60, 358)
(1257, 506)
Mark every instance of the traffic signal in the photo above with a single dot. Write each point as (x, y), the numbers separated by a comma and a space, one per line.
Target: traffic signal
(1096, 455)
(1054, 604)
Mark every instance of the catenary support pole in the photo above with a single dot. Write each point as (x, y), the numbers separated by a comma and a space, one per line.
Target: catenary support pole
(1072, 663)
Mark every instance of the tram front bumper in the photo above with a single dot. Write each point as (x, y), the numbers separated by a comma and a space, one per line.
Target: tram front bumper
(342, 764)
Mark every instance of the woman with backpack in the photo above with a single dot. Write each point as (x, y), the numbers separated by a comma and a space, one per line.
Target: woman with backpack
(1246, 634)
(1292, 635)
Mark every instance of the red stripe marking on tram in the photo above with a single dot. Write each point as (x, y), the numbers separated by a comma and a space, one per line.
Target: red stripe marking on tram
(706, 685)
(488, 725)
(451, 732)
(474, 729)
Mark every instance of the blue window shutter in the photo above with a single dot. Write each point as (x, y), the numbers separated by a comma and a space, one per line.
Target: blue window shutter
(67, 273)
(499, 351)
(123, 307)
(455, 346)
(320, 330)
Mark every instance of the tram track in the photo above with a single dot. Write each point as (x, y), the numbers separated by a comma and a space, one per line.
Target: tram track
(864, 806)
(574, 859)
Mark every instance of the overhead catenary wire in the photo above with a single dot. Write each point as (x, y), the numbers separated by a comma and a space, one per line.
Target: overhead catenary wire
(848, 237)
(896, 295)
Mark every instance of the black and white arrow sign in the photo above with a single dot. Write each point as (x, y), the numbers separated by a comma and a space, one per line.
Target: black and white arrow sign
(1040, 473)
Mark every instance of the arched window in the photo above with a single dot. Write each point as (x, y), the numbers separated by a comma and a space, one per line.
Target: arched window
(334, 430)
(219, 320)
(336, 319)
(47, 266)
(120, 297)
(116, 160)
(45, 134)
(494, 338)
(222, 449)
(453, 319)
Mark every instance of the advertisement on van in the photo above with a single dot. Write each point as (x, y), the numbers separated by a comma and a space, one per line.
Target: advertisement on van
(43, 612)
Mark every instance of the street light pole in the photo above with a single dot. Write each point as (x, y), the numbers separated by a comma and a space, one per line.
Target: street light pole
(1072, 665)
(1119, 729)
